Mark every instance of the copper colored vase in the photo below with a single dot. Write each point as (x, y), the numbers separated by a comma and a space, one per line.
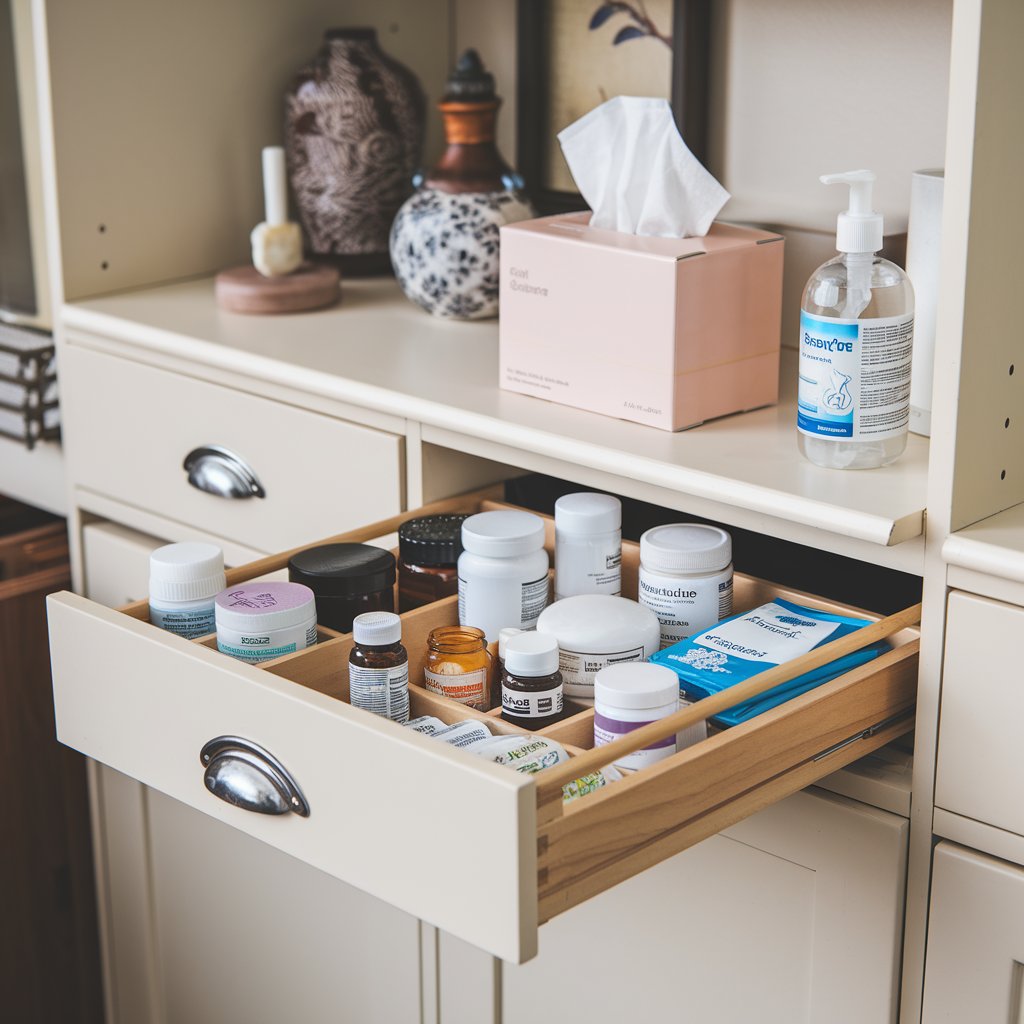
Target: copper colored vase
(354, 123)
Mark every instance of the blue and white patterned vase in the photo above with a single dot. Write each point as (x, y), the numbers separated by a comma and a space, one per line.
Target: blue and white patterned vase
(445, 238)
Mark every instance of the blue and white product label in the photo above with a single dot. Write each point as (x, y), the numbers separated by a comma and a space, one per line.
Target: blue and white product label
(854, 377)
(194, 622)
(384, 691)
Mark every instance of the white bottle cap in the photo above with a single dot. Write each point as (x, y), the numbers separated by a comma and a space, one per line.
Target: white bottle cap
(858, 229)
(588, 514)
(503, 534)
(503, 637)
(685, 547)
(532, 654)
(188, 571)
(636, 684)
(377, 629)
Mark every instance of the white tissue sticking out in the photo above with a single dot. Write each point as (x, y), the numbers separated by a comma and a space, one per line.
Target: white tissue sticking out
(635, 172)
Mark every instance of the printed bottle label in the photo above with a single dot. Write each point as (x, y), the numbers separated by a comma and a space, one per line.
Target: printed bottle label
(854, 377)
(465, 687)
(189, 624)
(533, 601)
(608, 729)
(384, 691)
(578, 670)
(685, 606)
(524, 704)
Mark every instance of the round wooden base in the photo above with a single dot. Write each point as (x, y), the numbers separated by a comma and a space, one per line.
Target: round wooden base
(246, 290)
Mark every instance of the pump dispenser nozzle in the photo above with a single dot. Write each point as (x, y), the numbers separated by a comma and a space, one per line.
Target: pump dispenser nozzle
(859, 229)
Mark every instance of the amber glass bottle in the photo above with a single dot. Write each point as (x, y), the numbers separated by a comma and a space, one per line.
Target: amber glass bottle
(459, 665)
(378, 666)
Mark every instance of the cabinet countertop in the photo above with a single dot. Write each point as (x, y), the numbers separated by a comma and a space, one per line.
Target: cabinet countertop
(377, 351)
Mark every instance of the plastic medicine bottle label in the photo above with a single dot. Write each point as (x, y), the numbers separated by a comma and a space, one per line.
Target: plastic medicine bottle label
(384, 691)
(854, 377)
(189, 623)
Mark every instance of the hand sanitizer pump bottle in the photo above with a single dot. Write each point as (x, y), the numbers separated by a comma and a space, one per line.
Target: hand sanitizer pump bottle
(856, 336)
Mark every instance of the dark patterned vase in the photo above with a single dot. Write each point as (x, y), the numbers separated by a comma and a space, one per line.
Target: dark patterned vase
(354, 126)
(445, 239)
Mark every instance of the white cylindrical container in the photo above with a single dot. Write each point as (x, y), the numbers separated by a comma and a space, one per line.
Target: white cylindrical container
(260, 621)
(588, 545)
(594, 631)
(503, 571)
(184, 581)
(629, 696)
(924, 247)
(686, 578)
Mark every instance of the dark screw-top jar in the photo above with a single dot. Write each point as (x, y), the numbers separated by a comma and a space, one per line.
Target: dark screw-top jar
(428, 556)
(347, 580)
(531, 685)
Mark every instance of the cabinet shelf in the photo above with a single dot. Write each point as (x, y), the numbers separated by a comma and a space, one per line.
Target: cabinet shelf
(378, 352)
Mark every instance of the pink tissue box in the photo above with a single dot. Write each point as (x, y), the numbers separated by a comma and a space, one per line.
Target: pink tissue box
(664, 331)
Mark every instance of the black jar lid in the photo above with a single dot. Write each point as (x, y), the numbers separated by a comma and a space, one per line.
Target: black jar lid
(343, 570)
(431, 540)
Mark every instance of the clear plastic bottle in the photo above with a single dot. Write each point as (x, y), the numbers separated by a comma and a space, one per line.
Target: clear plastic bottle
(856, 335)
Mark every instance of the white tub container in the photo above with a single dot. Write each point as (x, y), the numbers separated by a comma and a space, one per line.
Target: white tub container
(260, 621)
(588, 545)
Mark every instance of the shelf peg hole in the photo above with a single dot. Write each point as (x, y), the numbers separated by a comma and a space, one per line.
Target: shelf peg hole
(1011, 369)
(103, 229)
(104, 265)
(1002, 475)
(1006, 423)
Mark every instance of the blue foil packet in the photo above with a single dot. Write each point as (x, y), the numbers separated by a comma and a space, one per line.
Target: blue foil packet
(744, 645)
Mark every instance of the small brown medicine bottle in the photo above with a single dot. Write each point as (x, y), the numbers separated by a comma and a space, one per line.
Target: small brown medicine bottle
(458, 665)
(531, 685)
(378, 666)
(428, 558)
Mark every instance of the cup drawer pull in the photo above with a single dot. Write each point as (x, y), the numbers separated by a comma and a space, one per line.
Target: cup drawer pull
(245, 775)
(220, 471)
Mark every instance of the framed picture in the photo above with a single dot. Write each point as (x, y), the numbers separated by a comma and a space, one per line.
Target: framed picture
(575, 54)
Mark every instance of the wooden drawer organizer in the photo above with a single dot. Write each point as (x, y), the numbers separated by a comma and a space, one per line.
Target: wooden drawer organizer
(408, 818)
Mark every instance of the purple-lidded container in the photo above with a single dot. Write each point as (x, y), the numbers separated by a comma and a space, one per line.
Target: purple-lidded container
(261, 621)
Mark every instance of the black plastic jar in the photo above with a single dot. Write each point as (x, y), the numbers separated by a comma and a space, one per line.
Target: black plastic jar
(428, 558)
(346, 580)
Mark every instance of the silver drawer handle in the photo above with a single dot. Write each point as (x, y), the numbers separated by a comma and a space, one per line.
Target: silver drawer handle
(247, 776)
(220, 471)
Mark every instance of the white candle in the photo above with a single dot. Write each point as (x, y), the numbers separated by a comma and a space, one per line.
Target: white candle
(275, 190)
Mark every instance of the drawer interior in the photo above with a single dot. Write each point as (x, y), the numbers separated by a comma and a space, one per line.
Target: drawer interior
(589, 844)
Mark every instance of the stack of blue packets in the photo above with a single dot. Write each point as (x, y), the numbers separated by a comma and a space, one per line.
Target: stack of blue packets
(744, 645)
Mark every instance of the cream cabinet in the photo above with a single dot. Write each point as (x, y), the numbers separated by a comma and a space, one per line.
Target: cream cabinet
(203, 925)
(975, 940)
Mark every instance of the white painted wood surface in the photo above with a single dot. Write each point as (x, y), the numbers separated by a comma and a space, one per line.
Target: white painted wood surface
(981, 759)
(992, 547)
(794, 915)
(35, 477)
(129, 428)
(975, 940)
(444, 375)
(376, 791)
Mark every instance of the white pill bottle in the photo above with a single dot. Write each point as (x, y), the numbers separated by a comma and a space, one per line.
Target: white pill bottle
(503, 571)
(686, 578)
(184, 580)
(588, 545)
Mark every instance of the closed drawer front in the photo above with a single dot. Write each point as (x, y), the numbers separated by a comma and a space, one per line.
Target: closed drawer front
(141, 423)
(466, 845)
(981, 756)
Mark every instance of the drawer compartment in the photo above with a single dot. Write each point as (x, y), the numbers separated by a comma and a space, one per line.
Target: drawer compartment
(469, 846)
(981, 758)
(143, 422)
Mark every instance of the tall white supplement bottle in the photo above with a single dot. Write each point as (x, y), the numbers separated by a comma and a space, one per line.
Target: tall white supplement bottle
(588, 545)
(856, 337)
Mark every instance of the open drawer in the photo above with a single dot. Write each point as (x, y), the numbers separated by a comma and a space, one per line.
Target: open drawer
(469, 846)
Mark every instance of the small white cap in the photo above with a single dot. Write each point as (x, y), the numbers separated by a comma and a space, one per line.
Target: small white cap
(588, 514)
(189, 571)
(503, 534)
(685, 547)
(532, 654)
(503, 636)
(377, 629)
(858, 229)
(636, 684)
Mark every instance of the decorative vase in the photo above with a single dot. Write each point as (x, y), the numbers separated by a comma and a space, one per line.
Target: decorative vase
(354, 123)
(444, 242)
